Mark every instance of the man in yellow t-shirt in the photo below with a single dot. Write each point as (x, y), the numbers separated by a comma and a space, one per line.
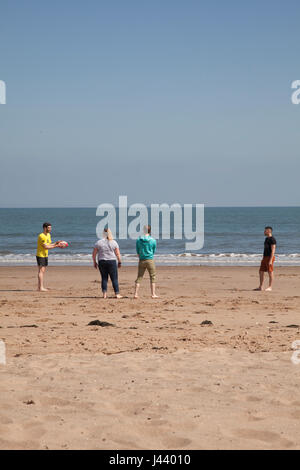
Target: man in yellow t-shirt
(44, 244)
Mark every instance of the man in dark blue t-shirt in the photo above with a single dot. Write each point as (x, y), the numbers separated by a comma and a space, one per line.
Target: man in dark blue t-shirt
(268, 259)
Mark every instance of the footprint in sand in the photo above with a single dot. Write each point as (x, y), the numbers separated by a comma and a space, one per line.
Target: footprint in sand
(255, 418)
(264, 436)
(176, 442)
(54, 401)
(253, 398)
(132, 408)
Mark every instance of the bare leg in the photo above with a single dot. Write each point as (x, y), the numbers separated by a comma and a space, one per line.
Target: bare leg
(271, 277)
(41, 272)
(261, 277)
(137, 286)
(261, 280)
(153, 295)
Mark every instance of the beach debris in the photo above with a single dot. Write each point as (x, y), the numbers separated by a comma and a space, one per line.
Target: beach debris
(29, 402)
(100, 323)
(23, 326)
(272, 321)
(109, 353)
(28, 326)
(292, 326)
(206, 322)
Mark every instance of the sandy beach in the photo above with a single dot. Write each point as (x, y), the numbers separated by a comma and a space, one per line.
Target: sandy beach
(157, 377)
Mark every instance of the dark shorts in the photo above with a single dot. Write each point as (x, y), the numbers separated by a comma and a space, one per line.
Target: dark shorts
(265, 266)
(42, 261)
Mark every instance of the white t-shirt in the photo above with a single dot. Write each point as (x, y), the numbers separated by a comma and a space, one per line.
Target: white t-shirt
(106, 249)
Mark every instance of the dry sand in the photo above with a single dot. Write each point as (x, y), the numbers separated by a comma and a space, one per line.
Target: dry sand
(157, 379)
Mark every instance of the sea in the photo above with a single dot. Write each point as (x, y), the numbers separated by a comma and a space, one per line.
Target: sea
(233, 236)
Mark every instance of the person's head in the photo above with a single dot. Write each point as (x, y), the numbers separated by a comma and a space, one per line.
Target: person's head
(147, 229)
(107, 234)
(268, 231)
(47, 227)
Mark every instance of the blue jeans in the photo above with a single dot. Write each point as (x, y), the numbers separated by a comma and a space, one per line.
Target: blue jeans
(109, 268)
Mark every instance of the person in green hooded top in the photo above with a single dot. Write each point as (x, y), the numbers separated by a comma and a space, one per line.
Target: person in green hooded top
(145, 248)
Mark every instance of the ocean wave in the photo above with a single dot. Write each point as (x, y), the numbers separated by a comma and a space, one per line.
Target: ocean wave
(204, 259)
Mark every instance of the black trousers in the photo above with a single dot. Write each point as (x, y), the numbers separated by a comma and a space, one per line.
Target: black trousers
(109, 268)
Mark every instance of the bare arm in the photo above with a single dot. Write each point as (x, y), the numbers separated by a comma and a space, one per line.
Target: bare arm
(118, 255)
(95, 251)
(50, 246)
(273, 248)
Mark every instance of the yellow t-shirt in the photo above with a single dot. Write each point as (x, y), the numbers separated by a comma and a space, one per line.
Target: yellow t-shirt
(41, 251)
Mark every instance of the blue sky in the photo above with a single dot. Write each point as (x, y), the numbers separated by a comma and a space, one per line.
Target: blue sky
(163, 101)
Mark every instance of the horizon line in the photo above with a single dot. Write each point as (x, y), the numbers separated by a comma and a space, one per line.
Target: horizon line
(147, 205)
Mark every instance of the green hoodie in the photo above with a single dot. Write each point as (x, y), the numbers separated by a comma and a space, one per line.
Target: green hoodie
(145, 247)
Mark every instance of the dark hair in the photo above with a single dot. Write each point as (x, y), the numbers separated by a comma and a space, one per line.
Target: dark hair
(46, 225)
(148, 228)
(269, 228)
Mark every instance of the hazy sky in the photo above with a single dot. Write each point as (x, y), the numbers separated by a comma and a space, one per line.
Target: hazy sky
(161, 100)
